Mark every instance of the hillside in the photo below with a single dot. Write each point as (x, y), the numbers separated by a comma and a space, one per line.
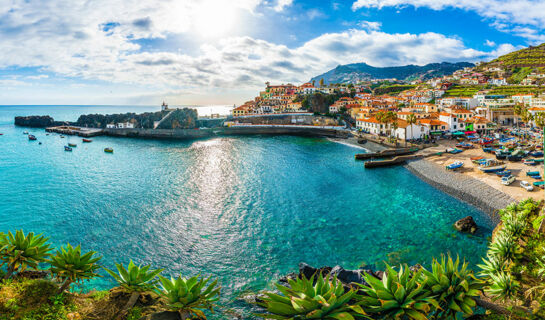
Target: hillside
(533, 56)
(353, 73)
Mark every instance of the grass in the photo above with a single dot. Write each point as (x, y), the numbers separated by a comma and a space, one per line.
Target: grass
(462, 90)
(519, 74)
(511, 90)
(33, 299)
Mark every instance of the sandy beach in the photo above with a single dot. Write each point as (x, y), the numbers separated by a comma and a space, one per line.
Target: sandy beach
(471, 169)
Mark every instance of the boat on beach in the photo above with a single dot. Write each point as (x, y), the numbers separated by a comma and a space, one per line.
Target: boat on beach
(504, 173)
(492, 165)
(109, 150)
(455, 165)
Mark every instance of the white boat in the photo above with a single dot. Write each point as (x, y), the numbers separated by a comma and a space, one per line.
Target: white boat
(526, 185)
(507, 180)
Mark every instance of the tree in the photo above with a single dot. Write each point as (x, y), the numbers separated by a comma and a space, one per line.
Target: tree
(322, 83)
(69, 265)
(411, 119)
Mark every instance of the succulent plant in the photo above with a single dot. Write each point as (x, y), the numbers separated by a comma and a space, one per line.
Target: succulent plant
(503, 286)
(321, 297)
(21, 251)
(69, 265)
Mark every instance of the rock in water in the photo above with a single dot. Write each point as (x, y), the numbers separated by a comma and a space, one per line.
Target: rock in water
(348, 276)
(466, 225)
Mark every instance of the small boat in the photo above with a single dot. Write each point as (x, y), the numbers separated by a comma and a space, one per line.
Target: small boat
(109, 150)
(1, 134)
(31, 137)
(491, 165)
(62, 137)
(73, 145)
(47, 134)
(67, 148)
(536, 154)
(25, 132)
(489, 149)
(532, 173)
(503, 173)
(526, 185)
(87, 140)
(514, 158)
(476, 159)
(539, 184)
(454, 150)
(507, 180)
(40, 142)
(529, 162)
(455, 165)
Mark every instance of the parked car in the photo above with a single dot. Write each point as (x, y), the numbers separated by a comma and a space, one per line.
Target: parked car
(526, 185)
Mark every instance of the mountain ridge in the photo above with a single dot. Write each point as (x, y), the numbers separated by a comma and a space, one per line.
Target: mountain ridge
(355, 72)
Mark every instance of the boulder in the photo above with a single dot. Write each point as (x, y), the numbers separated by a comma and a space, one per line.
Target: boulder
(466, 225)
(309, 271)
(348, 276)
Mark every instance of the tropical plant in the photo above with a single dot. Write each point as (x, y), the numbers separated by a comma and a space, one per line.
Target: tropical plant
(136, 280)
(19, 252)
(315, 298)
(505, 247)
(189, 296)
(69, 265)
(411, 119)
(515, 225)
(503, 286)
(398, 296)
(492, 265)
(453, 287)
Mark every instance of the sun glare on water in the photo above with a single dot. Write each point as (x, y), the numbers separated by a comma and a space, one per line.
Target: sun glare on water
(215, 18)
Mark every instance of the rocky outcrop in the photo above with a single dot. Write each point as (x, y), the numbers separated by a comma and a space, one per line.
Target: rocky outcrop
(35, 121)
(466, 225)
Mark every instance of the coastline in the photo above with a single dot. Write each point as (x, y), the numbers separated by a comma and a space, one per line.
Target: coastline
(462, 187)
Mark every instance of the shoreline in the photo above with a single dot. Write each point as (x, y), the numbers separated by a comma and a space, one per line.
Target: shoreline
(462, 187)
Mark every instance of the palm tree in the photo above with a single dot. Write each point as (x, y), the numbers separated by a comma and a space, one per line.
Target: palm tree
(411, 119)
(517, 109)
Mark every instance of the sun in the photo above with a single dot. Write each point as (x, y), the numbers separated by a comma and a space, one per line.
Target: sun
(214, 18)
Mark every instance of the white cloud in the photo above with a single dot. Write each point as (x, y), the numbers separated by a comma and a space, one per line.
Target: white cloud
(489, 43)
(282, 4)
(71, 38)
(370, 25)
(503, 12)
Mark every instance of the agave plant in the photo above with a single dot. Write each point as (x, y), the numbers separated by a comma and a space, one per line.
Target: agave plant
(453, 286)
(492, 265)
(135, 279)
(316, 298)
(398, 296)
(189, 296)
(515, 225)
(20, 252)
(505, 247)
(69, 265)
(503, 286)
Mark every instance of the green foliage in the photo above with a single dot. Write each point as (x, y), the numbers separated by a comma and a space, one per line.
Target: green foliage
(69, 265)
(135, 314)
(505, 247)
(135, 278)
(305, 298)
(511, 90)
(21, 251)
(191, 295)
(398, 296)
(519, 74)
(462, 91)
(503, 286)
(393, 89)
(453, 286)
(492, 265)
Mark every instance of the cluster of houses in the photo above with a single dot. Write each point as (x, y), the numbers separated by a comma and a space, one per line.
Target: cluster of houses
(420, 112)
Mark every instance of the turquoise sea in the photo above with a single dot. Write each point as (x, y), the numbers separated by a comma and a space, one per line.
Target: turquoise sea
(244, 209)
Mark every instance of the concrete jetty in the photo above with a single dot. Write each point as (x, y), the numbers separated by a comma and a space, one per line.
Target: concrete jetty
(390, 162)
(385, 153)
(76, 131)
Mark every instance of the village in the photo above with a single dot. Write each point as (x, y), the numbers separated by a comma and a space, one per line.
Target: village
(475, 100)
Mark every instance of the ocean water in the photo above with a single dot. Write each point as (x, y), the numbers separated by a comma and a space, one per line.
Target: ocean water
(244, 209)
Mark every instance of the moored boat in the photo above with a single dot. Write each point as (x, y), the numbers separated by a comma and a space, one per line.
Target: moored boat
(109, 150)
(67, 148)
(31, 137)
(73, 145)
(87, 140)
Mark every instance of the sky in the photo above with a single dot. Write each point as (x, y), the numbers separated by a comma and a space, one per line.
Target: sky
(203, 52)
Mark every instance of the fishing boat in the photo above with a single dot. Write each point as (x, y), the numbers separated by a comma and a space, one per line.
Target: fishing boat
(454, 150)
(1, 134)
(67, 148)
(87, 140)
(489, 149)
(536, 154)
(73, 145)
(503, 173)
(514, 158)
(464, 145)
(539, 184)
(25, 132)
(109, 150)
(31, 137)
(492, 165)
(507, 180)
(532, 173)
(62, 137)
(529, 162)
(455, 165)
(476, 159)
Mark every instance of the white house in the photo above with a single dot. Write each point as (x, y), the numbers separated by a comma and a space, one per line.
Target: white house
(125, 125)
(373, 126)
(411, 132)
(110, 126)
(452, 121)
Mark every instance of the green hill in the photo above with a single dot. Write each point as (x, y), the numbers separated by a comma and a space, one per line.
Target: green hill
(533, 56)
